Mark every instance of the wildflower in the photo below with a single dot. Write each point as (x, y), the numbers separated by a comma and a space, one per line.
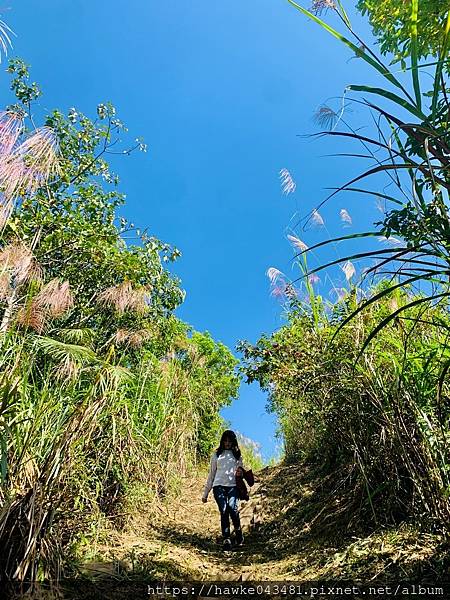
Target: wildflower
(313, 278)
(5, 212)
(390, 241)
(317, 218)
(287, 183)
(345, 217)
(5, 286)
(31, 164)
(39, 153)
(297, 243)
(67, 370)
(5, 39)
(11, 176)
(32, 316)
(20, 262)
(349, 270)
(279, 290)
(380, 205)
(134, 338)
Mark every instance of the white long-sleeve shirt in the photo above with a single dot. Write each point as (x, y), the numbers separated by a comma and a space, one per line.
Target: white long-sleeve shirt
(222, 471)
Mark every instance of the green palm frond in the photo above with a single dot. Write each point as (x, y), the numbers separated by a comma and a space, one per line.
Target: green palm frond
(60, 351)
(77, 335)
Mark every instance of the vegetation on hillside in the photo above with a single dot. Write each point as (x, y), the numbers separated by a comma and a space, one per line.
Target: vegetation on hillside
(106, 396)
(377, 423)
(361, 387)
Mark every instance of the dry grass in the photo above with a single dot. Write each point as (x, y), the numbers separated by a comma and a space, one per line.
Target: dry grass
(293, 531)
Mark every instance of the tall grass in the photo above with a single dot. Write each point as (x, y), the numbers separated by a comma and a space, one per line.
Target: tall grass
(377, 424)
(73, 451)
(106, 398)
(363, 386)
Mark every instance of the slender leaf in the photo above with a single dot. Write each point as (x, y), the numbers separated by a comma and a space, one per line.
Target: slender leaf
(414, 52)
(417, 112)
(358, 51)
(395, 314)
(354, 257)
(378, 296)
(442, 61)
(60, 350)
(371, 193)
(350, 236)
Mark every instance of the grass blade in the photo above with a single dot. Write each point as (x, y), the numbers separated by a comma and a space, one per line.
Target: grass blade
(442, 61)
(395, 314)
(414, 52)
(358, 51)
(390, 96)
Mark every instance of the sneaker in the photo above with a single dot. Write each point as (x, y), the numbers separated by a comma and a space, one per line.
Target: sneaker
(227, 544)
(239, 537)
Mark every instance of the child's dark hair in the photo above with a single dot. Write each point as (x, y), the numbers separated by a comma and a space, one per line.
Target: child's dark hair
(229, 435)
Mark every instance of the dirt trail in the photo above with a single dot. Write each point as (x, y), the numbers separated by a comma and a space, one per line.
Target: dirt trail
(184, 541)
(294, 530)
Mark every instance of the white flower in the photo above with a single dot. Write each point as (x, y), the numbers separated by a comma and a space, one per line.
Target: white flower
(273, 274)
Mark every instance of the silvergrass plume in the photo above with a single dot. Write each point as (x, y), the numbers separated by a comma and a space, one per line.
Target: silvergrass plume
(274, 274)
(316, 218)
(349, 270)
(325, 117)
(320, 6)
(123, 297)
(287, 182)
(297, 243)
(345, 217)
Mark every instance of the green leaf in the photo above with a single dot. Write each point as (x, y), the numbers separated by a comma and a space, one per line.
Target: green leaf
(442, 60)
(59, 350)
(395, 314)
(358, 51)
(369, 254)
(371, 193)
(414, 52)
(390, 96)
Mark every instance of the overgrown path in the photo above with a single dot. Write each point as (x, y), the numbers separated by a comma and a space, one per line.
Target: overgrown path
(183, 540)
(294, 530)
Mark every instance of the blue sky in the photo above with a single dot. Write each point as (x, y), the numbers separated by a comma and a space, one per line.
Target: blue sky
(220, 91)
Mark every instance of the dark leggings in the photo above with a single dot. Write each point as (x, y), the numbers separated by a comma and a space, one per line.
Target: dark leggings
(228, 503)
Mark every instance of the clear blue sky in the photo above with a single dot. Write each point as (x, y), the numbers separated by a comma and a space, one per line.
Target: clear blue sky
(220, 92)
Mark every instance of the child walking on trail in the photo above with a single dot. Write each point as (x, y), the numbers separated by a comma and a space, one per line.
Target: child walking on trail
(226, 463)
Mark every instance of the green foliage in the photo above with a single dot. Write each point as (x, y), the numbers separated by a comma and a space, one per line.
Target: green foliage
(366, 388)
(411, 151)
(390, 21)
(81, 236)
(379, 421)
(103, 390)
